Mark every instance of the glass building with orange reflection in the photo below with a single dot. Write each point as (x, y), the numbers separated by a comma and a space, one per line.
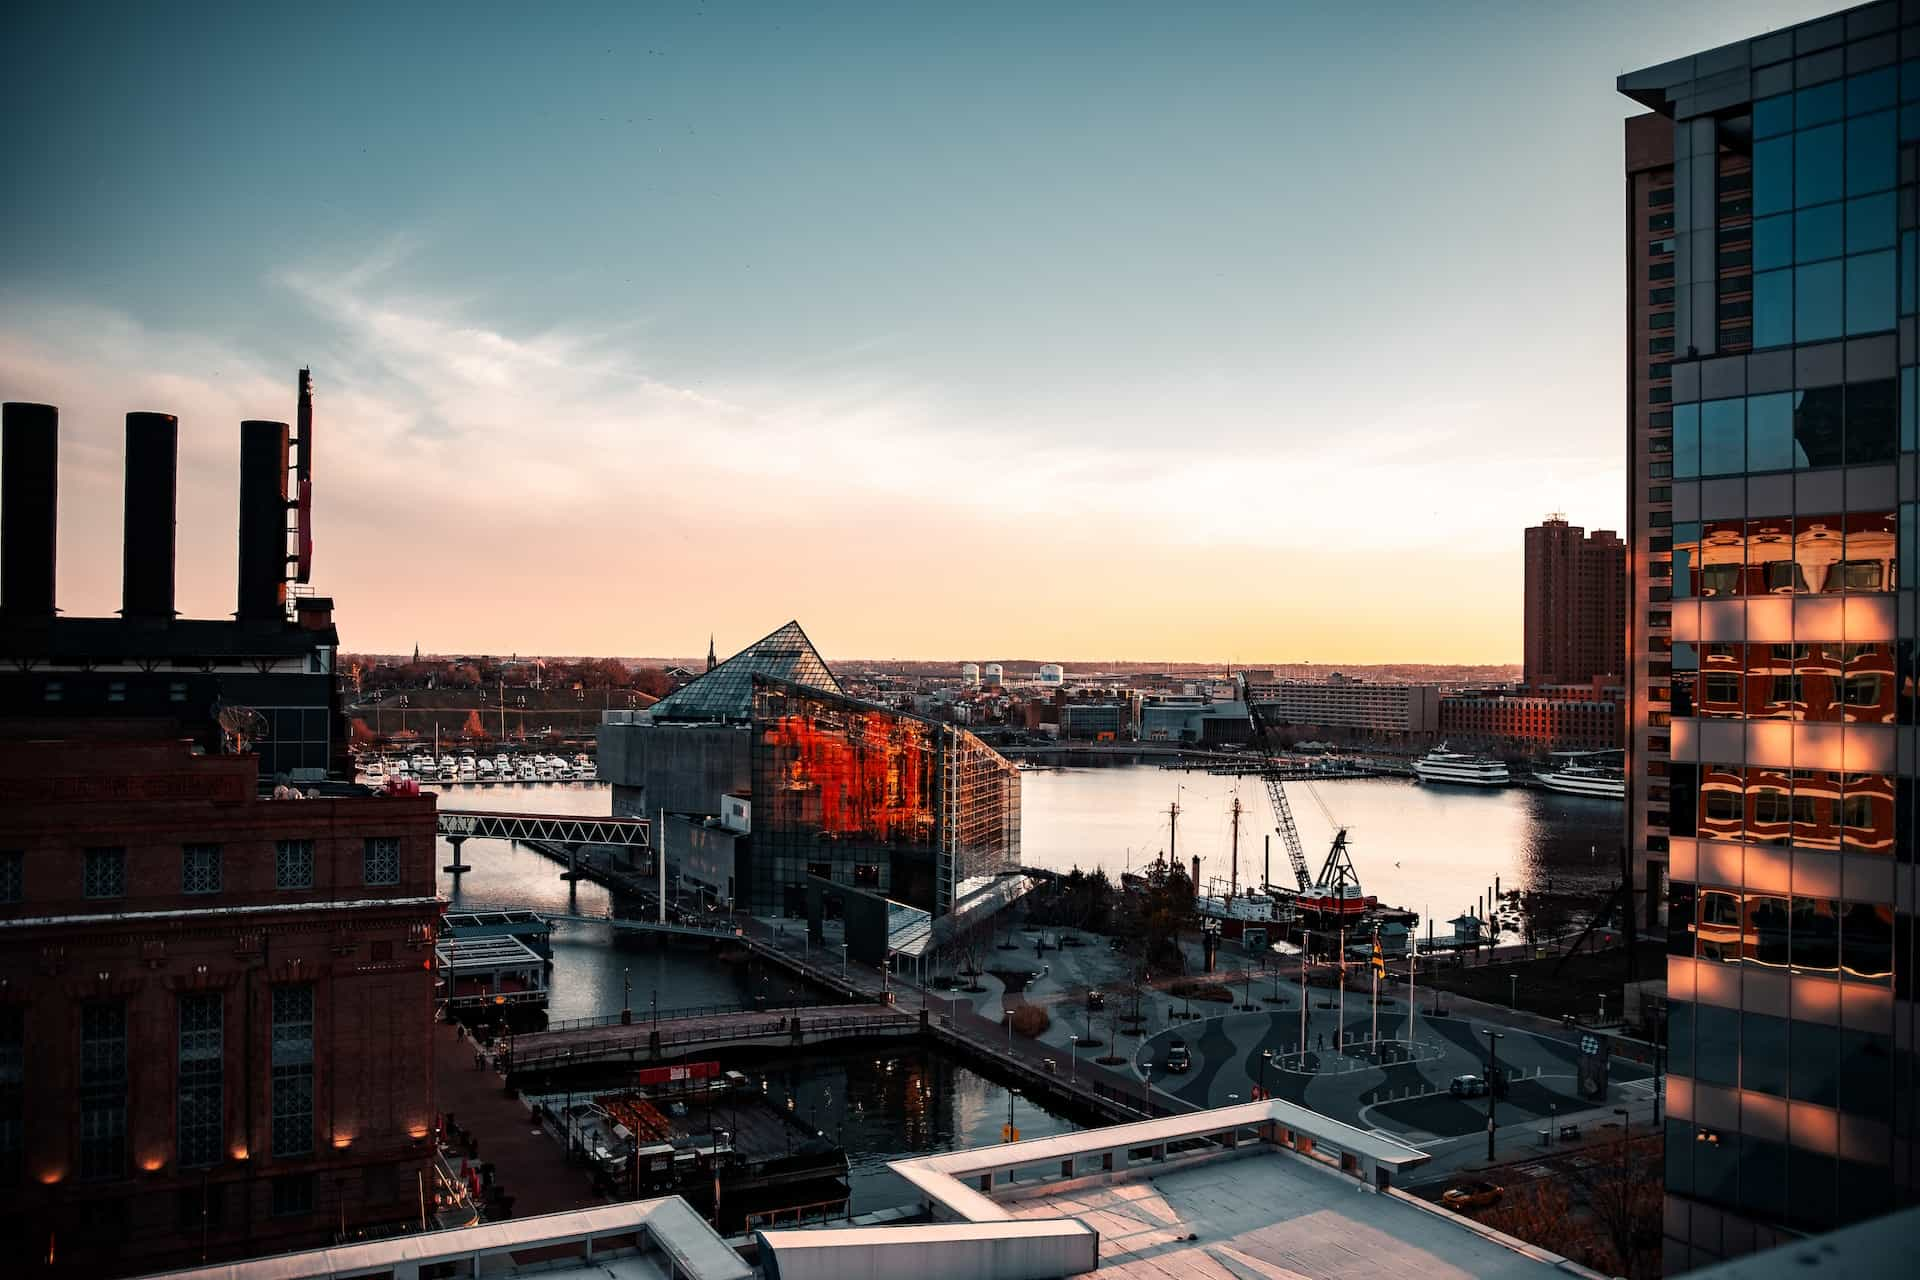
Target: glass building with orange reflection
(915, 810)
(1773, 278)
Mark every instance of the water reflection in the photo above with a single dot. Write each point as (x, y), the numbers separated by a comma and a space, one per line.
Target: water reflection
(903, 1104)
(1423, 847)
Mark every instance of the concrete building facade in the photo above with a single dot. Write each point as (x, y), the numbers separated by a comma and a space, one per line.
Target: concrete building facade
(1399, 713)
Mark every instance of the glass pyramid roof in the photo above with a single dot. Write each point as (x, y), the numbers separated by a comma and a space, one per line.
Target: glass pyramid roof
(726, 692)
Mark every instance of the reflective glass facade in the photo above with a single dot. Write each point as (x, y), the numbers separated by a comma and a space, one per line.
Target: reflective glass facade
(1773, 745)
(872, 798)
(726, 691)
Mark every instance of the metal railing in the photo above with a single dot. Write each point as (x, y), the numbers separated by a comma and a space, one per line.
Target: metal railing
(523, 1060)
(647, 1017)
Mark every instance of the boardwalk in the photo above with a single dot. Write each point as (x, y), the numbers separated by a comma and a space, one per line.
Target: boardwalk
(528, 1162)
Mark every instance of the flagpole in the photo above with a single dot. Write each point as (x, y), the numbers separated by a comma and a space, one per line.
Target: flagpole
(1413, 962)
(1376, 1006)
(1340, 1038)
(1306, 941)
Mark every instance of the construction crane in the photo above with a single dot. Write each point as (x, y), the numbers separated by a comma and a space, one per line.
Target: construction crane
(1336, 890)
(1277, 795)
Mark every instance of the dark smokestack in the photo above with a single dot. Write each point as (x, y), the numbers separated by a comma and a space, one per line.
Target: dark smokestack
(263, 522)
(29, 487)
(146, 580)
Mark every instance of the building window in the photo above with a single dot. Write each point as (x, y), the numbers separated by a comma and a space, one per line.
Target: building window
(1659, 470)
(177, 691)
(1662, 345)
(1660, 271)
(104, 874)
(202, 1049)
(13, 868)
(200, 869)
(1660, 222)
(1660, 395)
(1658, 247)
(1660, 369)
(293, 1195)
(1660, 197)
(382, 860)
(293, 1070)
(293, 864)
(53, 691)
(1660, 320)
(103, 1089)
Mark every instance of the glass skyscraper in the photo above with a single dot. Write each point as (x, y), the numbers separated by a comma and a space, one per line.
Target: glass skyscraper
(1771, 427)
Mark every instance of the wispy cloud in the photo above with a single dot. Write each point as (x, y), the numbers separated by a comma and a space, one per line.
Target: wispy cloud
(465, 455)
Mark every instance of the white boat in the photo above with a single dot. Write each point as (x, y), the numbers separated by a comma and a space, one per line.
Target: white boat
(486, 770)
(372, 767)
(1462, 769)
(1585, 780)
(526, 772)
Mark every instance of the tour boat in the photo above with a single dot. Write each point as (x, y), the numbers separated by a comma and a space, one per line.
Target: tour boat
(1585, 780)
(1457, 767)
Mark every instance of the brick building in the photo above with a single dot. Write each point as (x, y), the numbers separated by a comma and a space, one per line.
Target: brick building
(216, 972)
(1576, 610)
(1547, 719)
(213, 1006)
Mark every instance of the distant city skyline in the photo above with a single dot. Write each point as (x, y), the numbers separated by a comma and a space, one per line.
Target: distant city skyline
(945, 330)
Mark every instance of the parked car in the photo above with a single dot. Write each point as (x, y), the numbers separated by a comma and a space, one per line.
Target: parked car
(1467, 1087)
(1472, 1195)
(1179, 1061)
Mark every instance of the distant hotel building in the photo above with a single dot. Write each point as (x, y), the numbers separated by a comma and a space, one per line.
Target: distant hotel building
(1575, 611)
(1549, 718)
(858, 794)
(216, 977)
(1771, 268)
(1345, 708)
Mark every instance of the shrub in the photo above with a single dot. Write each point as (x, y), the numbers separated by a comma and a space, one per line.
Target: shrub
(1030, 1020)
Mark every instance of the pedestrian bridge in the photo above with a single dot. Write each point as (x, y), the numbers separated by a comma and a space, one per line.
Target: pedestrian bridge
(638, 1037)
(560, 828)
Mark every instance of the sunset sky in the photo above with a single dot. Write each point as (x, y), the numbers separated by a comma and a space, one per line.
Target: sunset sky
(1214, 331)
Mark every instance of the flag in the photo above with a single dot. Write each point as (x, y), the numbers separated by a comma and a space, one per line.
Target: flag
(1379, 961)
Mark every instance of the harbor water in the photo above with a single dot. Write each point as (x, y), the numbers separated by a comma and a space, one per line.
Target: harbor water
(1427, 848)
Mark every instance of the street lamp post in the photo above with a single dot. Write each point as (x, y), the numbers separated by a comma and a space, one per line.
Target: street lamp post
(1513, 991)
(1493, 1072)
(1626, 1133)
(653, 1005)
(1073, 1057)
(1266, 1056)
(626, 996)
(843, 962)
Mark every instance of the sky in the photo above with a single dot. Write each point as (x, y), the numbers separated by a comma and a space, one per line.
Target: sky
(1237, 332)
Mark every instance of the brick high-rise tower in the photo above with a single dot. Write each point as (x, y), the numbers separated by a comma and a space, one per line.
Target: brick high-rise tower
(1575, 604)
